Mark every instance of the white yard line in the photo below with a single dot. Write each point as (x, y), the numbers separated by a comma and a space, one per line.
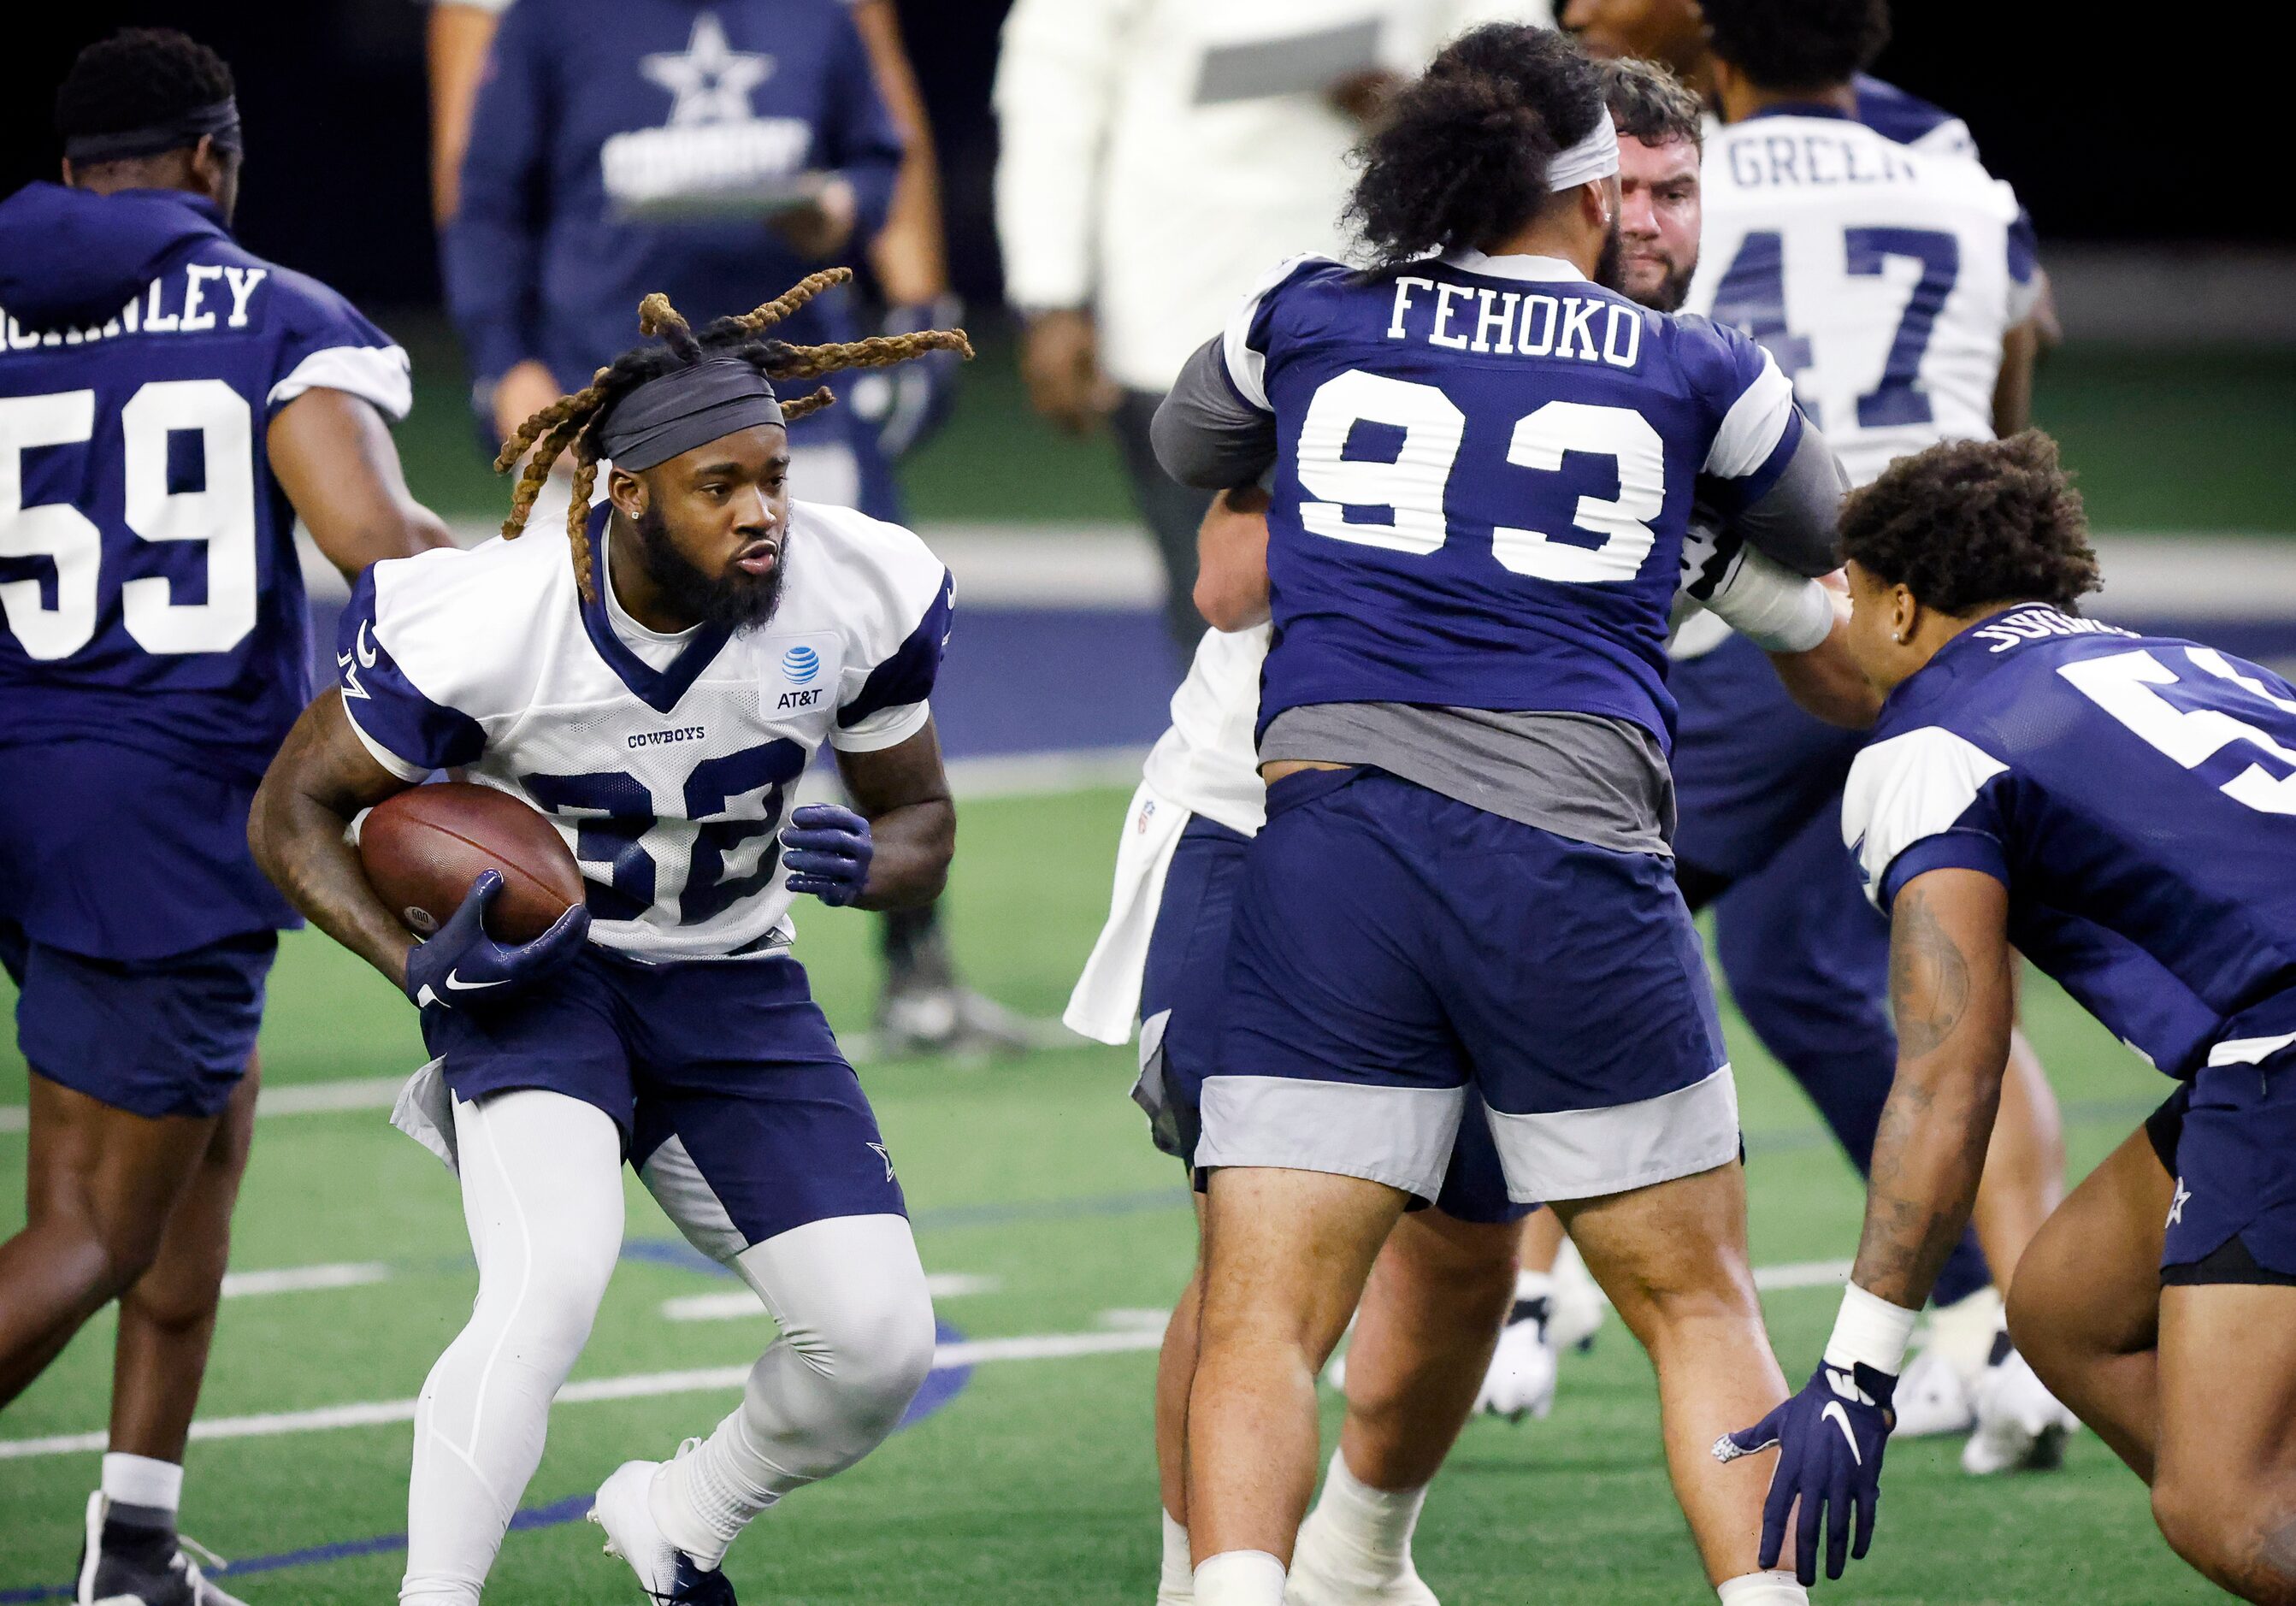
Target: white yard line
(1801, 1273)
(305, 1098)
(965, 1352)
(301, 1279)
(740, 1305)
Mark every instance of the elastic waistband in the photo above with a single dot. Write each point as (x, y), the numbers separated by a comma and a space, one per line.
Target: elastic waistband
(1204, 828)
(1307, 785)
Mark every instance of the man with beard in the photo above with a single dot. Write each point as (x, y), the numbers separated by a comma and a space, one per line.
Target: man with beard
(656, 697)
(1482, 461)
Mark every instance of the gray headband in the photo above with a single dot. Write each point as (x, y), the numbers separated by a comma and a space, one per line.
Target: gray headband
(219, 119)
(684, 409)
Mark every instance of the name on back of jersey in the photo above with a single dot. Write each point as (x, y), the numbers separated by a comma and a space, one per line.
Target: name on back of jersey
(196, 300)
(1510, 322)
(1816, 160)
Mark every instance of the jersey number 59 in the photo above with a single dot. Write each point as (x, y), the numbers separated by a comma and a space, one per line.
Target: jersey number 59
(220, 513)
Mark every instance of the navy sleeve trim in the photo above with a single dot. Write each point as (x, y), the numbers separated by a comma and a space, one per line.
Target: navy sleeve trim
(389, 707)
(907, 677)
(1957, 848)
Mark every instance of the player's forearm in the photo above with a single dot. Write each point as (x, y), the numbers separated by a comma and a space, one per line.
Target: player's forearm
(1928, 1157)
(298, 828)
(1953, 1007)
(1825, 682)
(913, 845)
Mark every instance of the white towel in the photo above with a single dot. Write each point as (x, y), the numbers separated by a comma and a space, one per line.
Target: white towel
(425, 1112)
(1107, 996)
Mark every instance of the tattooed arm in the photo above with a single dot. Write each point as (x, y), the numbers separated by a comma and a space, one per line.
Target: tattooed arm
(1950, 988)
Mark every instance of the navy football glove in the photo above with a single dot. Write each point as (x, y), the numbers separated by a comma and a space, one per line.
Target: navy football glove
(827, 849)
(1830, 1439)
(461, 962)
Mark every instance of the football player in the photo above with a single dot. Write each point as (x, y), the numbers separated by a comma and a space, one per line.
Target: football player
(709, 145)
(170, 405)
(1423, 1331)
(2121, 810)
(656, 696)
(1902, 301)
(1463, 893)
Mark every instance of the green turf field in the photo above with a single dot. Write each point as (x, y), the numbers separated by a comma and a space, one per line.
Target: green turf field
(1035, 1485)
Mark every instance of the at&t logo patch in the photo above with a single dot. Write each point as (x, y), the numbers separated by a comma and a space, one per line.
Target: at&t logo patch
(800, 664)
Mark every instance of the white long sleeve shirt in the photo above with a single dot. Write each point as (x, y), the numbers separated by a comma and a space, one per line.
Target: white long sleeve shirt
(1156, 163)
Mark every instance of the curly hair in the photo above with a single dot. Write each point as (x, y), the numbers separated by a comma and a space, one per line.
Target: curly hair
(138, 77)
(1649, 104)
(1460, 160)
(1971, 522)
(1798, 45)
(576, 421)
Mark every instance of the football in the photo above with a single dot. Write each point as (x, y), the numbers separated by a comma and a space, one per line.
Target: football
(423, 848)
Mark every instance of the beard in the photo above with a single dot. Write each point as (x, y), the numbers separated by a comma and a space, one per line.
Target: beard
(736, 600)
(1609, 267)
(1668, 295)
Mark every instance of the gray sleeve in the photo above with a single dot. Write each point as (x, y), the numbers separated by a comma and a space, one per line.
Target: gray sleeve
(1795, 522)
(1205, 434)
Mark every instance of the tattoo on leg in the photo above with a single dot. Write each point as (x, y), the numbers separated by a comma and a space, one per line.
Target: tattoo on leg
(2275, 1553)
(1928, 977)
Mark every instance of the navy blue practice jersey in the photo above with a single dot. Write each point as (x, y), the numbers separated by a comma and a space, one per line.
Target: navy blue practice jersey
(149, 593)
(2138, 797)
(620, 147)
(1484, 470)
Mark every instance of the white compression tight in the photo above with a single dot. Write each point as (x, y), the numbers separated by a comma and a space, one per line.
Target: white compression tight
(542, 1194)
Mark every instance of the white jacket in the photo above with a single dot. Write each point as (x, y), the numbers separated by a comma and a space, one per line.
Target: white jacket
(1143, 177)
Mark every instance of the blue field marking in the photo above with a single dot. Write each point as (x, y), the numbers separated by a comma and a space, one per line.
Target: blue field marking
(941, 1386)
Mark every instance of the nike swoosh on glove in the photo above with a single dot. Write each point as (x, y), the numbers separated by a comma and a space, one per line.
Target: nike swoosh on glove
(1830, 1439)
(1709, 556)
(827, 849)
(461, 962)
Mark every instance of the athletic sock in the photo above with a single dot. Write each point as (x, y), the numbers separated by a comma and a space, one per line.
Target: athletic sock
(1763, 1589)
(1240, 1578)
(1175, 1580)
(140, 1499)
(704, 1500)
(1363, 1530)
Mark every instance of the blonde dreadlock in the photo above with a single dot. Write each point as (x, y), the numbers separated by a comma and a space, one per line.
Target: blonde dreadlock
(571, 421)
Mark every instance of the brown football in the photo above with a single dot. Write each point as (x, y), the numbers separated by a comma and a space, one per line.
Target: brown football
(424, 846)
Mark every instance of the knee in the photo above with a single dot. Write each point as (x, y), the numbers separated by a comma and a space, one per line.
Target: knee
(1469, 1265)
(2226, 1527)
(549, 1296)
(101, 1259)
(877, 1350)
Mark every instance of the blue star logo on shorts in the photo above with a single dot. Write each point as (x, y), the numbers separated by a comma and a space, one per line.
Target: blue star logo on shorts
(884, 1154)
(800, 664)
(2177, 1202)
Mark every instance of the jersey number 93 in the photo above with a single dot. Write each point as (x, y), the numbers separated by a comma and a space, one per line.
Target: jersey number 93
(1608, 537)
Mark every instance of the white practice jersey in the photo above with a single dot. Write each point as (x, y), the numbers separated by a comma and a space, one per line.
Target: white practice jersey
(1883, 278)
(666, 762)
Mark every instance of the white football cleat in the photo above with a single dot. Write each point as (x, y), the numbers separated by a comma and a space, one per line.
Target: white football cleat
(1520, 1382)
(2021, 1426)
(1329, 1571)
(1577, 1306)
(1932, 1399)
(666, 1573)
